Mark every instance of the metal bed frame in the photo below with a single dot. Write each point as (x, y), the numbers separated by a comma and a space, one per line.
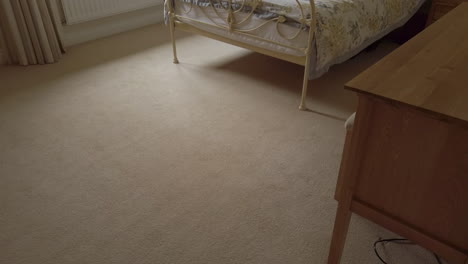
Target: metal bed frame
(232, 23)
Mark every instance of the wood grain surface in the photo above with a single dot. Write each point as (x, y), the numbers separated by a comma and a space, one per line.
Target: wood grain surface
(428, 72)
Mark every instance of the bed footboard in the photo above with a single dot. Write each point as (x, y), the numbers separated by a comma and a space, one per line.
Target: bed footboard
(233, 16)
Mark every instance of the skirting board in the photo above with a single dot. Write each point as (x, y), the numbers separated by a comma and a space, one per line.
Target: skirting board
(84, 32)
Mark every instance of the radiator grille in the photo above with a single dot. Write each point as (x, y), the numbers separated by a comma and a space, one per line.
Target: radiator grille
(77, 11)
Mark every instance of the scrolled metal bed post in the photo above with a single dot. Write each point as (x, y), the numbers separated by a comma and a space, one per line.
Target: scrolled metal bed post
(172, 19)
(312, 28)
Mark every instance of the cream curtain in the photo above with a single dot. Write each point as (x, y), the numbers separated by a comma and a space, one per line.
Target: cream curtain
(30, 31)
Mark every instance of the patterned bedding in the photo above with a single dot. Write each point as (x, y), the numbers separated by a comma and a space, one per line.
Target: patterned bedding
(343, 29)
(264, 9)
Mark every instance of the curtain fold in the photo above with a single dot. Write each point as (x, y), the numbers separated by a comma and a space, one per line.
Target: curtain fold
(30, 31)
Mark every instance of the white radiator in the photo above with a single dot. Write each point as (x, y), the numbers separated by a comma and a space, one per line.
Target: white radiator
(77, 11)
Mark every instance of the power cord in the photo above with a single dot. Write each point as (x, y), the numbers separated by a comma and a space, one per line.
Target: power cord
(439, 261)
(397, 241)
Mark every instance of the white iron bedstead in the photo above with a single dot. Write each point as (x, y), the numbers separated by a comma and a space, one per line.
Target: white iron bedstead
(231, 21)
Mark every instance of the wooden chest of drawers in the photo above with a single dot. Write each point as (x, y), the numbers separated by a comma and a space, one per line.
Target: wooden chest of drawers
(441, 7)
(405, 162)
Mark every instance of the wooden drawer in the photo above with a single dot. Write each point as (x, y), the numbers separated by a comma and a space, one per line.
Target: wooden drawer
(394, 178)
(441, 8)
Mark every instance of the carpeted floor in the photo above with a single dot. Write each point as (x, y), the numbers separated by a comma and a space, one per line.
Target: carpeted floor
(116, 155)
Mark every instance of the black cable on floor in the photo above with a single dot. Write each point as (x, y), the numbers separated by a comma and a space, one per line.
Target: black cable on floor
(439, 261)
(397, 241)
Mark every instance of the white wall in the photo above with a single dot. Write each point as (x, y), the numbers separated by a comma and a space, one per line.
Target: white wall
(87, 31)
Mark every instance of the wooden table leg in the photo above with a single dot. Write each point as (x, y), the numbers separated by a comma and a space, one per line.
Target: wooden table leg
(354, 151)
(340, 230)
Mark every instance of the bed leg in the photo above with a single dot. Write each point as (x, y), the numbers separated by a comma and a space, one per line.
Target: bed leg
(305, 84)
(303, 106)
(172, 29)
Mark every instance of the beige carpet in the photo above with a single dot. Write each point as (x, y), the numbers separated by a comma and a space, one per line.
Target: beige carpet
(116, 155)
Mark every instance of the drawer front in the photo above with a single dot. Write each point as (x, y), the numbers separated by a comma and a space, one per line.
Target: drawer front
(414, 168)
(441, 7)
